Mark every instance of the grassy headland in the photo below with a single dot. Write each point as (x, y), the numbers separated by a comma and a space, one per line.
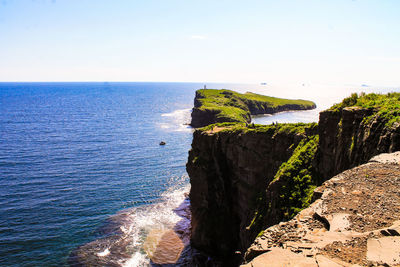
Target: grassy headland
(212, 106)
(386, 106)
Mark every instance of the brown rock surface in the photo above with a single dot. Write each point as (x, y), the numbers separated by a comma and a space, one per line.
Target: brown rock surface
(385, 249)
(278, 257)
(356, 222)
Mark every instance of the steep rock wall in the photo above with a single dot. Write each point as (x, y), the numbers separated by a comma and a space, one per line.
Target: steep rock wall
(236, 191)
(351, 136)
(204, 117)
(257, 107)
(347, 138)
(229, 171)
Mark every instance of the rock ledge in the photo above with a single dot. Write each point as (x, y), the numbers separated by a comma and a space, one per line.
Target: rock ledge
(355, 221)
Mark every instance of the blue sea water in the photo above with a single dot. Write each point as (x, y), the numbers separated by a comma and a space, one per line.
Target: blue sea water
(72, 154)
(79, 161)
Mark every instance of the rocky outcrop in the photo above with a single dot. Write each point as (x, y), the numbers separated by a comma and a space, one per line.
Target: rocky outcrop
(245, 181)
(351, 136)
(204, 117)
(215, 106)
(347, 138)
(257, 108)
(355, 221)
(229, 170)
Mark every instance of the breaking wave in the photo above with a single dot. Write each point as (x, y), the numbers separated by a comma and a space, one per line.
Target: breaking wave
(177, 120)
(156, 234)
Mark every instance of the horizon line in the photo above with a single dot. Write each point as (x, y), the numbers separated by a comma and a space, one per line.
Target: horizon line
(218, 82)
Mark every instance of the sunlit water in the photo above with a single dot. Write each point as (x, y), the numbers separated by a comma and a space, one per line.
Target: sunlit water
(83, 178)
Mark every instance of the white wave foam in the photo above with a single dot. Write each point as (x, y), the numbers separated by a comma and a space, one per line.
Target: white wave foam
(177, 120)
(138, 259)
(104, 253)
(131, 231)
(179, 113)
(143, 220)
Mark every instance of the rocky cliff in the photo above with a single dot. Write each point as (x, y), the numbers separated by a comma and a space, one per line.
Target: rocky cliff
(229, 168)
(214, 106)
(246, 179)
(348, 137)
(351, 136)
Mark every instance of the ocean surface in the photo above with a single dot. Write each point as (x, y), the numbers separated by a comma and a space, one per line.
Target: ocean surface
(83, 178)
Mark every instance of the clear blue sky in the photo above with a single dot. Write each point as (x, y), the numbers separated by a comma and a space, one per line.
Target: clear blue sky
(337, 41)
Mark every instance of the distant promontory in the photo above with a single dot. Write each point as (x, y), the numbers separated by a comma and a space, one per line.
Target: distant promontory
(213, 106)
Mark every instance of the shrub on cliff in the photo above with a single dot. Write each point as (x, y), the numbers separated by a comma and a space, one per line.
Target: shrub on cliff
(387, 106)
(299, 128)
(293, 183)
(297, 178)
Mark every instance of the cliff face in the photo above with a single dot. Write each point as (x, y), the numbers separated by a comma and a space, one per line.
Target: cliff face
(229, 171)
(214, 106)
(256, 108)
(347, 138)
(351, 136)
(245, 181)
(204, 117)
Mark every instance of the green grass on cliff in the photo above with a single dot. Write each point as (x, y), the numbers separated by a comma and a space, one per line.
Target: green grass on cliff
(295, 181)
(232, 106)
(387, 106)
(297, 178)
(288, 128)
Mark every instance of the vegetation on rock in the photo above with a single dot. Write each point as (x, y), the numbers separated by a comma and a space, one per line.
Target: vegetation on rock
(229, 106)
(294, 182)
(387, 106)
(288, 128)
(261, 175)
(298, 178)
